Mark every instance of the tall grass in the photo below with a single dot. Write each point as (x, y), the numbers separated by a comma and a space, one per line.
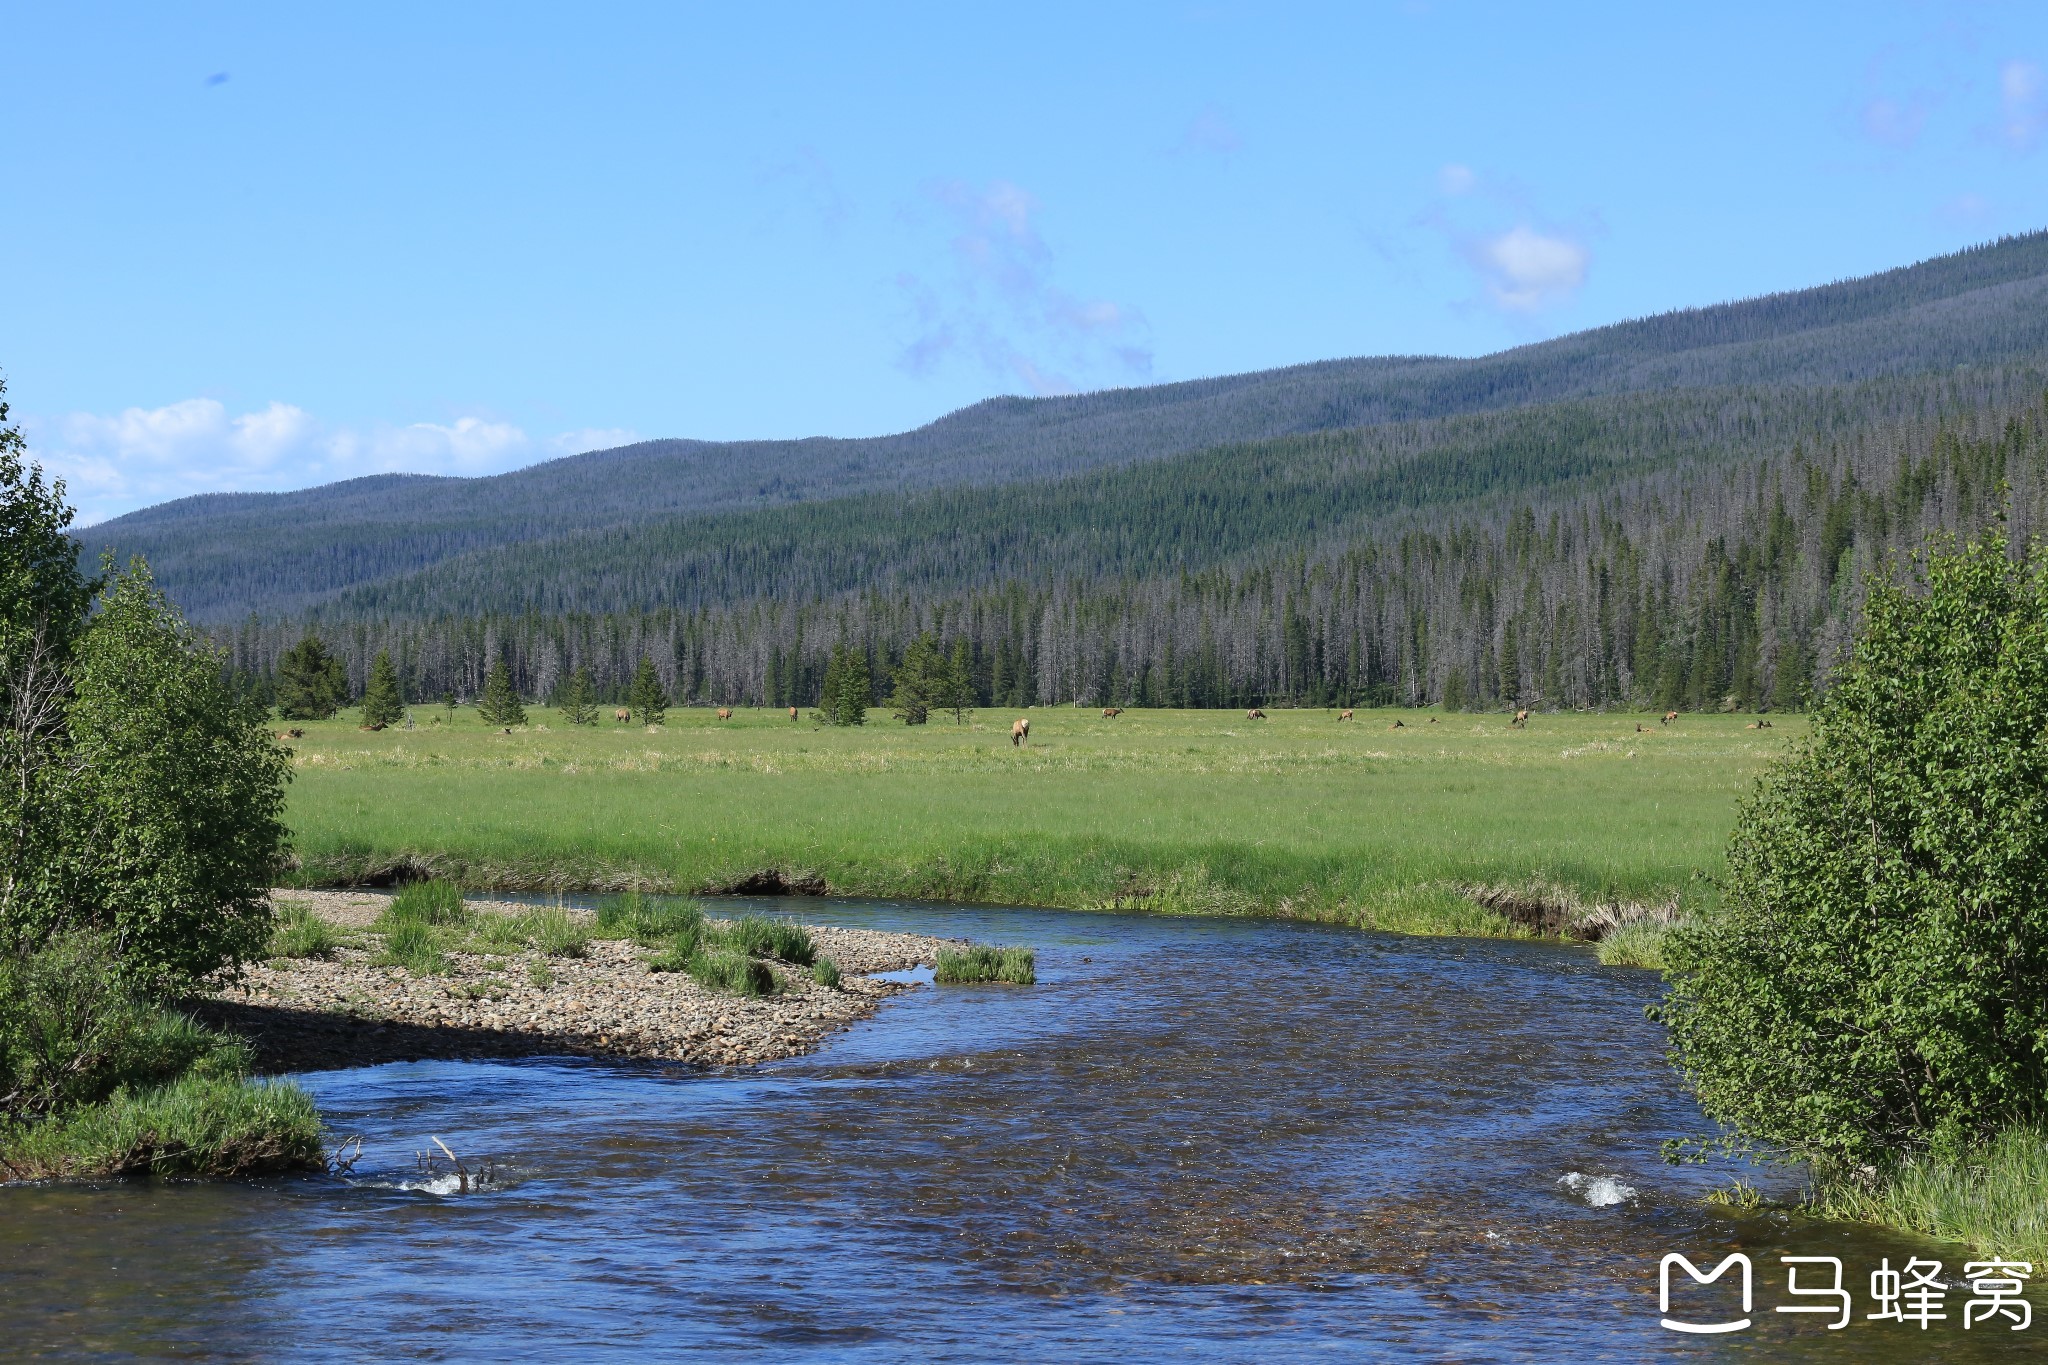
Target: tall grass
(731, 972)
(438, 903)
(419, 948)
(648, 920)
(1011, 966)
(1994, 1198)
(554, 932)
(302, 934)
(1189, 812)
(194, 1126)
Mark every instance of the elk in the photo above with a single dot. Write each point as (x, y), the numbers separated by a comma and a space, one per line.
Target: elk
(1255, 714)
(725, 713)
(622, 715)
(1397, 725)
(1020, 731)
(792, 715)
(1343, 715)
(1669, 716)
(1521, 718)
(1112, 712)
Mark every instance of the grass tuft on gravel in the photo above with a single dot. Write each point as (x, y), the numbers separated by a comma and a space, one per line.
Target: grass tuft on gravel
(826, 973)
(419, 948)
(731, 973)
(300, 933)
(983, 963)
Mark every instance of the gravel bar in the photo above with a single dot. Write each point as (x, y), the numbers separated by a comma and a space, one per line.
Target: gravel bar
(310, 1015)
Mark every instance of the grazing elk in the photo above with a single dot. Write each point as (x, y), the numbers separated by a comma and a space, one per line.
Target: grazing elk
(622, 715)
(1343, 715)
(1397, 725)
(1020, 731)
(792, 715)
(725, 713)
(1255, 714)
(1669, 716)
(1112, 712)
(1521, 718)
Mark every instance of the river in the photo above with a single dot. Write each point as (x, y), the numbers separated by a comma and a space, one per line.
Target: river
(1192, 1140)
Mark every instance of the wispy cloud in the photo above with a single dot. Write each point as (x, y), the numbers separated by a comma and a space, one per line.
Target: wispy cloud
(139, 456)
(2022, 104)
(810, 178)
(1895, 121)
(1209, 131)
(996, 302)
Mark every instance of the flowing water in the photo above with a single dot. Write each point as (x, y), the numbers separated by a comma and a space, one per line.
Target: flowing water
(1193, 1139)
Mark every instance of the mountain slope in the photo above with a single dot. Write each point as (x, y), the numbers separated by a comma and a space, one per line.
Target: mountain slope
(225, 555)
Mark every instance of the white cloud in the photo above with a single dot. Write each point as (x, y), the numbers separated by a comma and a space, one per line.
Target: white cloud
(997, 303)
(140, 456)
(1526, 270)
(1895, 122)
(2023, 104)
(1455, 179)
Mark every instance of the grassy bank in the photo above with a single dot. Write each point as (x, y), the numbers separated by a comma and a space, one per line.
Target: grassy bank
(98, 1080)
(1202, 812)
(1994, 1199)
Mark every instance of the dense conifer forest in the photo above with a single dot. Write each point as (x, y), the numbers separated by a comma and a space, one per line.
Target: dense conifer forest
(1674, 512)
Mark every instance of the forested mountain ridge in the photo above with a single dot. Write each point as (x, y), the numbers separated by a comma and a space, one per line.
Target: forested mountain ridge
(369, 544)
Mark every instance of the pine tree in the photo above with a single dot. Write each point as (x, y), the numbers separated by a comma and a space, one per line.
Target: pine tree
(1454, 690)
(579, 705)
(958, 694)
(311, 683)
(850, 701)
(1510, 668)
(920, 679)
(500, 704)
(382, 703)
(646, 697)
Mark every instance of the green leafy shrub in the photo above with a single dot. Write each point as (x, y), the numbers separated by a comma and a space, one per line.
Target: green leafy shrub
(731, 972)
(1875, 980)
(299, 933)
(1013, 966)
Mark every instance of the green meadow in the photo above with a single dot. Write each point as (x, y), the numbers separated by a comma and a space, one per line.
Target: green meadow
(1178, 811)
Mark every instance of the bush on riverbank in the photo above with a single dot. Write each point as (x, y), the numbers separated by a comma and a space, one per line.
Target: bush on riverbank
(1872, 990)
(1012, 966)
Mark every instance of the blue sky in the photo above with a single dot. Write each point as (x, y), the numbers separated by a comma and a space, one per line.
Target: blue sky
(270, 246)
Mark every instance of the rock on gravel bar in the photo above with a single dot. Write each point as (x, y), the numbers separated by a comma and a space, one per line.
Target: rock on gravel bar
(308, 1015)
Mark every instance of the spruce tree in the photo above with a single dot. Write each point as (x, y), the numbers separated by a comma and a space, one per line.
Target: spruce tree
(646, 697)
(958, 696)
(919, 680)
(855, 691)
(382, 704)
(579, 705)
(500, 705)
(311, 684)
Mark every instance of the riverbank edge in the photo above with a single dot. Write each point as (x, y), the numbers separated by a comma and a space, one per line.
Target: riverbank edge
(1625, 932)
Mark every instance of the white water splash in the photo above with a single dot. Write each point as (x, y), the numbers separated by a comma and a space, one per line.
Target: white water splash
(440, 1184)
(1599, 1191)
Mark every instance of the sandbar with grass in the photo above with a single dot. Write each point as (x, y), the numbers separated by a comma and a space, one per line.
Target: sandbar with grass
(518, 980)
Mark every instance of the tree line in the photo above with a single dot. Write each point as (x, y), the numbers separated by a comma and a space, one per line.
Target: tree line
(1729, 585)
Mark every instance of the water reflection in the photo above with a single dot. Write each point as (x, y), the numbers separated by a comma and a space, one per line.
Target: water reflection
(1224, 1139)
